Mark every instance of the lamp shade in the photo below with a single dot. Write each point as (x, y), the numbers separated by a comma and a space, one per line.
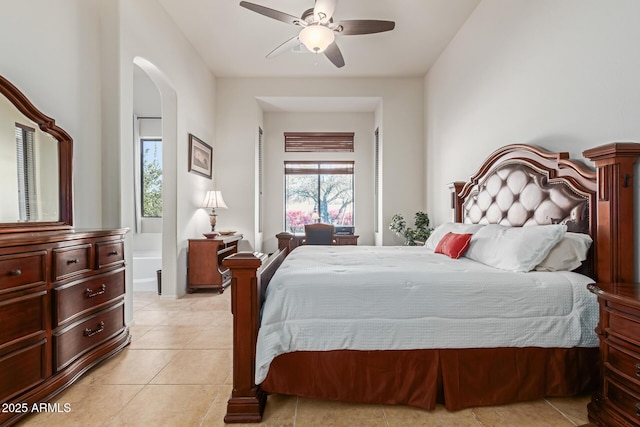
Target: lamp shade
(213, 199)
(316, 38)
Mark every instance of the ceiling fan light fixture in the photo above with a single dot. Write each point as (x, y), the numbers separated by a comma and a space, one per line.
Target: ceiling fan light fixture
(319, 30)
(316, 38)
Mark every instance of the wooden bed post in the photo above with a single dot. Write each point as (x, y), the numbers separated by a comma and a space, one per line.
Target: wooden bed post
(247, 400)
(456, 200)
(615, 235)
(286, 241)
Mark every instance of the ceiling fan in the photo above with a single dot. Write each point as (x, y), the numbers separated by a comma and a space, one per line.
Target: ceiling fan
(319, 30)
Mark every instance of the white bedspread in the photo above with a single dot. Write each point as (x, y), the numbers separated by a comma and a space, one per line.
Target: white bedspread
(400, 298)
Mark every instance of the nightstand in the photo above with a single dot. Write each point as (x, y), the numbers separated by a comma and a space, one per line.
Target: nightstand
(204, 262)
(616, 402)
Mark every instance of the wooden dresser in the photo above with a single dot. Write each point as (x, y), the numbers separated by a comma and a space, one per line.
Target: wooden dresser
(617, 400)
(61, 311)
(204, 262)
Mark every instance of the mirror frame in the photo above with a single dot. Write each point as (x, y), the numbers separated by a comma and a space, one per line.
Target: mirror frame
(65, 163)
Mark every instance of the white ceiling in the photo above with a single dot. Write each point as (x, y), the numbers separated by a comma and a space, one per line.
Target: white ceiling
(233, 41)
(303, 104)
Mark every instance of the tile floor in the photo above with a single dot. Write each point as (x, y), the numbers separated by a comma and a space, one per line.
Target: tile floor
(177, 370)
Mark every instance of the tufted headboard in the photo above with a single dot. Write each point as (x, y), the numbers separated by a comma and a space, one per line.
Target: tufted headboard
(522, 185)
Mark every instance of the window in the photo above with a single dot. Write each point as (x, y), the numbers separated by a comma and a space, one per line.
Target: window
(151, 166)
(27, 185)
(318, 192)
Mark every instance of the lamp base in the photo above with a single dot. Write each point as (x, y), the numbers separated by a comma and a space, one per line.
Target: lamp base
(212, 220)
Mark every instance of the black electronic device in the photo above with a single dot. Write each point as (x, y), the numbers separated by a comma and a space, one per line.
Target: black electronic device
(344, 230)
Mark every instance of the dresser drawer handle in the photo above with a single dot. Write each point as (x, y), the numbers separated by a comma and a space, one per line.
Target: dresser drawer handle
(113, 253)
(15, 273)
(73, 261)
(638, 410)
(89, 333)
(638, 370)
(101, 290)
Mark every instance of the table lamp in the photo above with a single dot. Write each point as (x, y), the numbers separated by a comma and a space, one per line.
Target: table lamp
(213, 199)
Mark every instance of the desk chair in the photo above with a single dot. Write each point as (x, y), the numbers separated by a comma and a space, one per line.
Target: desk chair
(318, 234)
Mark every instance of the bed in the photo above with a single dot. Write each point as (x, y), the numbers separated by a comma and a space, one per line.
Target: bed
(416, 341)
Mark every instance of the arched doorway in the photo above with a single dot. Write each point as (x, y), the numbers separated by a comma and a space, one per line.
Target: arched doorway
(168, 227)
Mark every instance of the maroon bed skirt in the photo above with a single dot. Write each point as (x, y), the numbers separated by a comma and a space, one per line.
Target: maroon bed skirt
(459, 378)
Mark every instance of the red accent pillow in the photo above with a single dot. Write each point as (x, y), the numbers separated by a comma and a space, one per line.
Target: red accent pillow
(454, 245)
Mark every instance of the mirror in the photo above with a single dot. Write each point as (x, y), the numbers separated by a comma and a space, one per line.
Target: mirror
(35, 167)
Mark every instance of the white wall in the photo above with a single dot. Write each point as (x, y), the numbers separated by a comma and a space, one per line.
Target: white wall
(275, 124)
(147, 109)
(561, 74)
(239, 115)
(149, 36)
(57, 66)
(77, 67)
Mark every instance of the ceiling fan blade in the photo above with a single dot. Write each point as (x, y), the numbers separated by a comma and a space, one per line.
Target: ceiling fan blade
(334, 55)
(323, 10)
(289, 44)
(364, 26)
(271, 13)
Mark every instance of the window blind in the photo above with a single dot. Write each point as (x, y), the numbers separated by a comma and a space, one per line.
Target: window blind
(25, 156)
(305, 142)
(318, 168)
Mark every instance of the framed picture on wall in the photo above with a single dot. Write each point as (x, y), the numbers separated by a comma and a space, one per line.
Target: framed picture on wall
(200, 157)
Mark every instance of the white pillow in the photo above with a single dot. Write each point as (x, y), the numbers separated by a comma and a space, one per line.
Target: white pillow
(514, 248)
(568, 254)
(449, 227)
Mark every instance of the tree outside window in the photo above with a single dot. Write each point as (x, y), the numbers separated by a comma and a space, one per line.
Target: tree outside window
(151, 158)
(318, 192)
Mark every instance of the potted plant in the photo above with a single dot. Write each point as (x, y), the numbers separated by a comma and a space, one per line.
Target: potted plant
(415, 235)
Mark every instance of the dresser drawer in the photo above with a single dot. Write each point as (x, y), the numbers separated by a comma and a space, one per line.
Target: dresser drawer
(624, 325)
(22, 369)
(623, 360)
(346, 239)
(76, 339)
(624, 399)
(109, 253)
(23, 316)
(22, 269)
(73, 299)
(70, 261)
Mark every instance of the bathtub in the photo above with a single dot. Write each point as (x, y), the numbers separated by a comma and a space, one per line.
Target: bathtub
(145, 266)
